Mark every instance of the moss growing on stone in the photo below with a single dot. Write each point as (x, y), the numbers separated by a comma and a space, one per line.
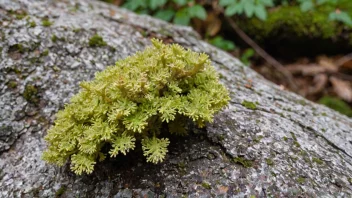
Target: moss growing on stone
(249, 105)
(350, 180)
(31, 94)
(12, 84)
(206, 185)
(317, 160)
(60, 192)
(54, 38)
(244, 162)
(165, 85)
(269, 162)
(96, 41)
(293, 21)
(46, 23)
(301, 180)
(45, 52)
(17, 47)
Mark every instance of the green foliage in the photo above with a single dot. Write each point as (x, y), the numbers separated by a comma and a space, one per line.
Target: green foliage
(247, 54)
(165, 85)
(96, 41)
(220, 42)
(341, 16)
(249, 8)
(166, 9)
(332, 8)
(294, 22)
(336, 104)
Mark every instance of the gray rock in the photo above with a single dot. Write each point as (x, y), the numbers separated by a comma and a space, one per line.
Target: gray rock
(286, 147)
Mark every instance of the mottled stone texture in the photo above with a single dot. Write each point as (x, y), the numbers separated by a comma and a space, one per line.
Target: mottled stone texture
(285, 147)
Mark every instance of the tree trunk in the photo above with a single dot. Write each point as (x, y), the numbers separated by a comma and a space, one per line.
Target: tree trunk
(284, 147)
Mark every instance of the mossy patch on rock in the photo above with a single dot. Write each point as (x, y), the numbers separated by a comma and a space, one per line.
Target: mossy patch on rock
(96, 41)
(30, 93)
(243, 161)
(249, 105)
(46, 23)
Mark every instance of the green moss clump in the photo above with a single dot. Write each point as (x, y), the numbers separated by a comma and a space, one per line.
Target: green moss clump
(317, 160)
(249, 105)
(206, 185)
(45, 52)
(294, 22)
(46, 23)
(60, 192)
(336, 104)
(17, 47)
(31, 94)
(96, 41)
(269, 162)
(20, 16)
(164, 85)
(32, 24)
(12, 84)
(54, 38)
(244, 162)
(301, 180)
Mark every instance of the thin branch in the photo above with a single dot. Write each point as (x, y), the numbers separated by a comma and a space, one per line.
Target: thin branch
(273, 62)
(343, 60)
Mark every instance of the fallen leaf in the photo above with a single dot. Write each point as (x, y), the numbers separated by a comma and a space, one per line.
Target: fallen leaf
(320, 81)
(342, 88)
(213, 24)
(327, 63)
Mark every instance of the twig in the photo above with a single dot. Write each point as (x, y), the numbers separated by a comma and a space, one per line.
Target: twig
(263, 54)
(341, 76)
(343, 60)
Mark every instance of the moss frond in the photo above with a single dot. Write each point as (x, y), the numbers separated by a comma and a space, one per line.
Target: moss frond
(155, 149)
(130, 101)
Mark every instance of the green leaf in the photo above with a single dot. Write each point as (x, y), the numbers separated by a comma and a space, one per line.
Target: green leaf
(341, 16)
(260, 12)
(234, 9)
(197, 11)
(153, 4)
(165, 15)
(181, 2)
(307, 5)
(249, 8)
(268, 3)
(247, 55)
(135, 4)
(182, 17)
(331, 2)
(226, 2)
(220, 42)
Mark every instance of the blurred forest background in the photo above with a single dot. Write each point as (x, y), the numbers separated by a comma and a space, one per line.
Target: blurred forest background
(302, 45)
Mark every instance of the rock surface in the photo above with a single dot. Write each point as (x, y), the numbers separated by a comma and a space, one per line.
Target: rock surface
(276, 144)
